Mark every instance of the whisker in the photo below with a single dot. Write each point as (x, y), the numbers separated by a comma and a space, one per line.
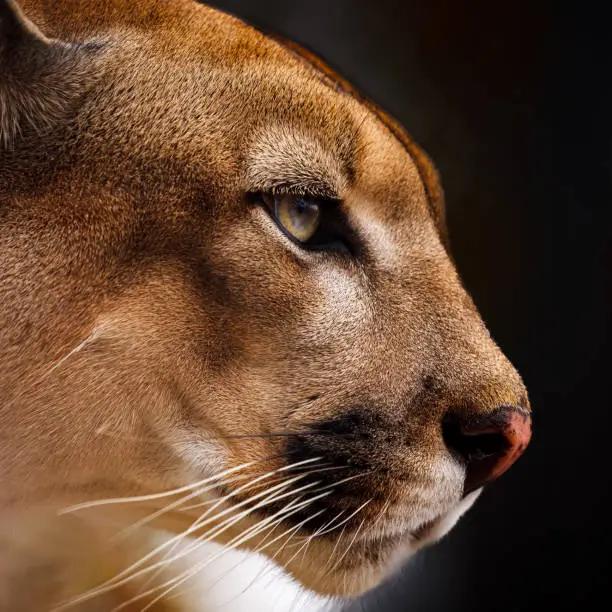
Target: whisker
(201, 522)
(326, 528)
(183, 489)
(315, 535)
(153, 496)
(255, 483)
(171, 582)
(174, 546)
(265, 571)
(347, 519)
(339, 561)
(232, 545)
(79, 347)
(271, 529)
(302, 474)
(334, 549)
(344, 522)
(234, 542)
(303, 547)
(264, 543)
(223, 526)
(348, 479)
(380, 515)
(319, 531)
(380, 545)
(279, 434)
(103, 430)
(128, 574)
(124, 533)
(230, 494)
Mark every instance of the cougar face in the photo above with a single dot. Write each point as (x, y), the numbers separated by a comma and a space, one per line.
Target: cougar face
(219, 265)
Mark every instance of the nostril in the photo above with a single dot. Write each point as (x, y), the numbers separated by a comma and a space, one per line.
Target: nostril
(487, 444)
(472, 447)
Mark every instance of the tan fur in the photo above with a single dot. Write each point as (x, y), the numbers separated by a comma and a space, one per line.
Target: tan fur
(126, 234)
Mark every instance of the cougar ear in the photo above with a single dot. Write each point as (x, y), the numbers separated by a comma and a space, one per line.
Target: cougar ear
(39, 77)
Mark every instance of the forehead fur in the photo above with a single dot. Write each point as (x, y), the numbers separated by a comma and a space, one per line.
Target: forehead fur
(283, 158)
(174, 95)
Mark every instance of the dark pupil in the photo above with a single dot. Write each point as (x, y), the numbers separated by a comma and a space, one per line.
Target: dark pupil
(303, 212)
(302, 207)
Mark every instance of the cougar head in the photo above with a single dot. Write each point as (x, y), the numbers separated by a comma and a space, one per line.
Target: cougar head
(225, 273)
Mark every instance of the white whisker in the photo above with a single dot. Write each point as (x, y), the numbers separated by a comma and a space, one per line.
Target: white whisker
(348, 518)
(272, 528)
(183, 489)
(124, 533)
(339, 561)
(224, 525)
(344, 522)
(175, 582)
(334, 549)
(262, 546)
(175, 545)
(316, 534)
(304, 546)
(79, 347)
(265, 476)
(349, 478)
(129, 574)
(380, 515)
(153, 496)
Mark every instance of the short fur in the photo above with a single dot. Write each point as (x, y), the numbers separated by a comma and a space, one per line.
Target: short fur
(157, 327)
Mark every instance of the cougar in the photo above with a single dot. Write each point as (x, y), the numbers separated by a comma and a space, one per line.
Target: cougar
(231, 331)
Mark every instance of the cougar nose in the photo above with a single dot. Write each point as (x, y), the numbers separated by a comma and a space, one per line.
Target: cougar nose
(488, 444)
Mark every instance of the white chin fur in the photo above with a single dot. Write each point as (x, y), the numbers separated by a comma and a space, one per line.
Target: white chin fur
(437, 531)
(240, 581)
(448, 521)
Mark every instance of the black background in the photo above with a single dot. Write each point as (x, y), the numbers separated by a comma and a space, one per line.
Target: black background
(513, 101)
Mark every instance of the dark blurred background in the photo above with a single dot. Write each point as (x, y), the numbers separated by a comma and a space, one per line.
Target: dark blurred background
(514, 103)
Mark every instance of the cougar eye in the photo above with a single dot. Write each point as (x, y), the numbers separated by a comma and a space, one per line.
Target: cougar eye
(298, 215)
(312, 223)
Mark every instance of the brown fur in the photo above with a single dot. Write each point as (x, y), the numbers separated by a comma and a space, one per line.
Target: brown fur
(131, 134)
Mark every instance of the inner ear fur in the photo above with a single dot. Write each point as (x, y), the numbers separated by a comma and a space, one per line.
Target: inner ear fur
(40, 78)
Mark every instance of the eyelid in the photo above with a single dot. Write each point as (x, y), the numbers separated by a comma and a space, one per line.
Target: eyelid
(315, 189)
(269, 199)
(325, 200)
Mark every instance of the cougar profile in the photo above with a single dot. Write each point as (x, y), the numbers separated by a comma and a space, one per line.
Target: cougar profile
(230, 319)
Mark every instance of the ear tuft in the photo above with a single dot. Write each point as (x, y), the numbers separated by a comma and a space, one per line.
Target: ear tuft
(39, 77)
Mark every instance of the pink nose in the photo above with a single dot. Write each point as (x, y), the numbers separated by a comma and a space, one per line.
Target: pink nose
(488, 444)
